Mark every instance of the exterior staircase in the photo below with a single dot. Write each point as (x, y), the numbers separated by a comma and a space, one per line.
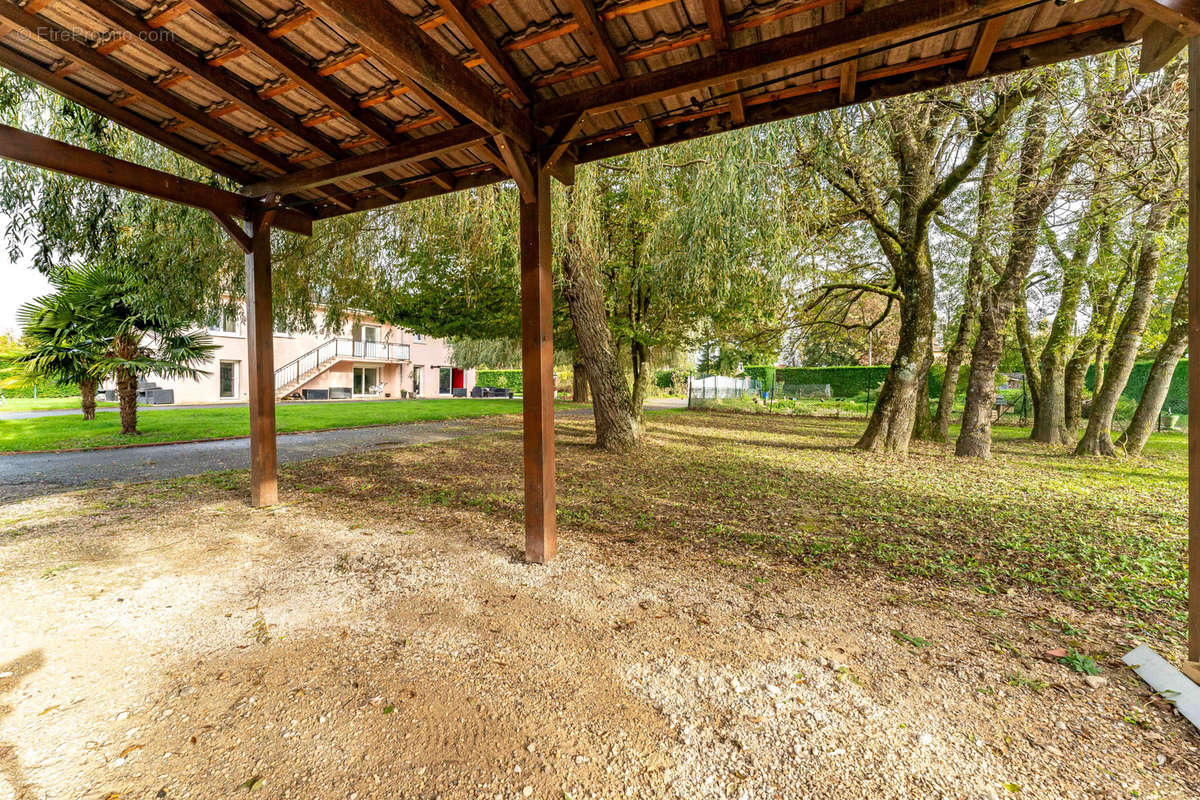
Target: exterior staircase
(296, 373)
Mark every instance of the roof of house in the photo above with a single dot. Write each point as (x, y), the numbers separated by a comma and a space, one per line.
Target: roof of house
(342, 105)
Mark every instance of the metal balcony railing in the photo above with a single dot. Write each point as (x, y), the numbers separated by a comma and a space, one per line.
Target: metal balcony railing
(339, 347)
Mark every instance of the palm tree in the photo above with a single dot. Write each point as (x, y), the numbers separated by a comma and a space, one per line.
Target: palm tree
(101, 321)
(58, 347)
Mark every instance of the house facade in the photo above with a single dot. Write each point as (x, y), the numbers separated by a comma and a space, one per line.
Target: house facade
(364, 359)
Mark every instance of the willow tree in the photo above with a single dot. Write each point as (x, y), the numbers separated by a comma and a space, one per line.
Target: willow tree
(930, 145)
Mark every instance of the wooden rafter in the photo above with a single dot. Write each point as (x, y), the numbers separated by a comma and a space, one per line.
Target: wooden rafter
(73, 47)
(848, 77)
(39, 151)
(396, 41)
(718, 28)
(389, 157)
(1037, 49)
(831, 40)
(592, 28)
(984, 46)
(60, 83)
(466, 19)
(296, 70)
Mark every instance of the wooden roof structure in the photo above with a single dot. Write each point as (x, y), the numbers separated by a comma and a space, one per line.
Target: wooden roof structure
(319, 108)
(346, 105)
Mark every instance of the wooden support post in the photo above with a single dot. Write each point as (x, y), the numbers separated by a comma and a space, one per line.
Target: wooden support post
(1192, 667)
(260, 341)
(537, 363)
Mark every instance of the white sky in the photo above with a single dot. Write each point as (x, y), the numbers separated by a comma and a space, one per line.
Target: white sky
(19, 283)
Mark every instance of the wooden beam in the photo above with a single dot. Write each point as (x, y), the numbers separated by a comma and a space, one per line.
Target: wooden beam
(234, 231)
(260, 362)
(468, 22)
(718, 28)
(38, 151)
(387, 158)
(848, 75)
(58, 82)
(396, 41)
(1135, 27)
(1160, 43)
(831, 40)
(985, 44)
(518, 168)
(74, 47)
(1182, 15)
(613, 66)
(1193, 257)
(190, 66)
(537, 365)
(892, 83)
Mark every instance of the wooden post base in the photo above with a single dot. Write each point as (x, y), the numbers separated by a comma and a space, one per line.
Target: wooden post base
(1192, 670)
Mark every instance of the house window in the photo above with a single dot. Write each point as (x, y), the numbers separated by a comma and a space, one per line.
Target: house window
(224, 322)
(418, 337)
(417, 379)
(229, 379)
(365, 378)
(445, 379)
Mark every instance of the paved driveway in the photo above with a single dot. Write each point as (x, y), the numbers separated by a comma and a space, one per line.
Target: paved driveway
(23, 476)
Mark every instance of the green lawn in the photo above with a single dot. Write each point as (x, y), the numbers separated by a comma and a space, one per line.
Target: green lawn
(14, 404)
(182, 424)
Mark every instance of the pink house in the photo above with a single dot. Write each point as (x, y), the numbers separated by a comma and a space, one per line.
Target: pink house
(362, 360)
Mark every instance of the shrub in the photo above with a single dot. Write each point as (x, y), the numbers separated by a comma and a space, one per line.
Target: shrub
(843, 381)
(500, 378)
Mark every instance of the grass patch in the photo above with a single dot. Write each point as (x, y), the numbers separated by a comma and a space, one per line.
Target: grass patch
(183, 424)
(13, 405)
(765, 489)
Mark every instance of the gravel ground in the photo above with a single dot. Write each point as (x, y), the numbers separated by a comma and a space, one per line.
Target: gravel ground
(165, 641)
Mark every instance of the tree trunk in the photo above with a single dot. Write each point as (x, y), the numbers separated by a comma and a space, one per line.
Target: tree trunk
(892, 421)
(579, 383)
(641, 380)
(127, 384)
(1050, 412)
(975, 438)
(1033, 377)
(969, 317)
(967, 320)
(1158, 383)
(87, 398)
(616, 424)
(1097, 438)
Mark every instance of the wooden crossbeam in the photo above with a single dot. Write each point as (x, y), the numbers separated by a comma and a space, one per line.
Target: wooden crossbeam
(387, 158)
(1160, 43)
(610, 60)
(984, 46)
(831, 40)
(1038, 49)
(39, 151)
(190, 65)
(57, 81)
(848, 79)
(468, 22)
(718, 27)
(1182, 15)
(395, 40)
(72, 46)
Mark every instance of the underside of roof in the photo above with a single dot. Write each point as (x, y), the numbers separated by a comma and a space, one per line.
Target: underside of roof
(343, 105)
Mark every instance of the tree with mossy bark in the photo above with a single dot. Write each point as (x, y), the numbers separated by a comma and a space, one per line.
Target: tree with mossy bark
(931, 145)
(1090, 107)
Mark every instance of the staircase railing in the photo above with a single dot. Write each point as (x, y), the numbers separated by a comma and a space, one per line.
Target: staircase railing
(336, 348)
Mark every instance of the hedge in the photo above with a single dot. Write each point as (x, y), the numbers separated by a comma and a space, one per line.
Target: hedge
(1177, 395)
(665, 378)
(500, 378)
(849, 381)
